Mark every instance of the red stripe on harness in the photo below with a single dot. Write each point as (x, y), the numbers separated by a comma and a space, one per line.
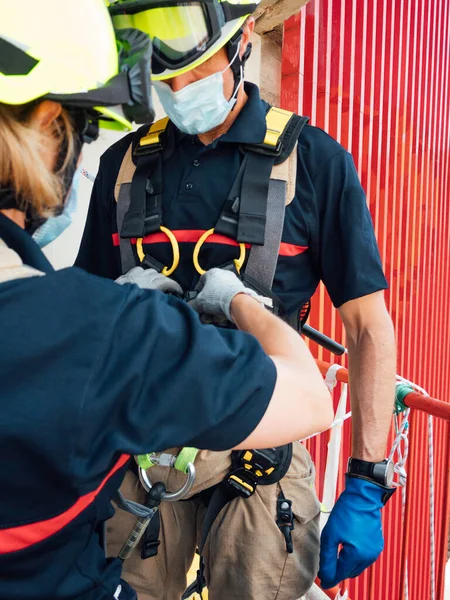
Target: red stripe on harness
(193, 235)
(24, 536)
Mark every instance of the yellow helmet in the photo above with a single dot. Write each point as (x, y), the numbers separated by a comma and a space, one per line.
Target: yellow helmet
(184, 34)
(64, 50)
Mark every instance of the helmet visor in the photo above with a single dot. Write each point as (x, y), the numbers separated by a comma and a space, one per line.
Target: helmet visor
(179, 34)
(180, 31)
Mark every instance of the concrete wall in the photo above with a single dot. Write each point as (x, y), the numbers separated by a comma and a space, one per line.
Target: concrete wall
(264, 65)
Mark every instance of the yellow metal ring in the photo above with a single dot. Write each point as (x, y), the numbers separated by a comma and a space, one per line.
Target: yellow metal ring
(175, 250)
(238, 262)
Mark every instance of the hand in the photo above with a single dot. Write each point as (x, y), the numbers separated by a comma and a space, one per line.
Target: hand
(150, 279)
(217, 289)
(355, 522)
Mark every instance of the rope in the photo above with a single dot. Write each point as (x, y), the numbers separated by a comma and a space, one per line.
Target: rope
(432, 500)
(401, 439)
(432, 497)
(413, 385)
(334, 447)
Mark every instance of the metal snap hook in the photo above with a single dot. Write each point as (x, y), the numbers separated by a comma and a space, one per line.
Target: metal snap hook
(170, 496)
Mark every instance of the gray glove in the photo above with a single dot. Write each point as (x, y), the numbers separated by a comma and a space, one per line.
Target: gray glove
(217, 289)
(150, 279)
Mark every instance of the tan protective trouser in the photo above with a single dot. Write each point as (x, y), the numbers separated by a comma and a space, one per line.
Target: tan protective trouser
(245, 553)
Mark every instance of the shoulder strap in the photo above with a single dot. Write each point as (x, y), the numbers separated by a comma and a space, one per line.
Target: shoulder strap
(155, 136)
(283, 131)
(148, 145)
(12, 267)
(283, 128)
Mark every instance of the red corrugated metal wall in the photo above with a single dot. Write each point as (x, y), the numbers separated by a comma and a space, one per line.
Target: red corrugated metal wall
(375, 75)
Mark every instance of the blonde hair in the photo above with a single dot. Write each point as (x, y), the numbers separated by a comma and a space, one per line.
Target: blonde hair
(22, 165)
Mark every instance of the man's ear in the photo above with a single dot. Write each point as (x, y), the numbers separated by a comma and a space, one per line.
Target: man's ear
(247, 30)
(45, 114)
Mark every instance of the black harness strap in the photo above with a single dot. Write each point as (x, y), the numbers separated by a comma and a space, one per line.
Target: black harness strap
(150, 539)
(144, 214)
(262, 260)
(254, 193)
(227, 223)
(127, 257)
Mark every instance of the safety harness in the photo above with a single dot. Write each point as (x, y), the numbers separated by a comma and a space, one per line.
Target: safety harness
(253, 213)
(253, 216)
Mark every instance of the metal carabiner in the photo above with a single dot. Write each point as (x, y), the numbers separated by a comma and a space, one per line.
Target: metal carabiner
(170, 496)
(238, 262)
(167, 271)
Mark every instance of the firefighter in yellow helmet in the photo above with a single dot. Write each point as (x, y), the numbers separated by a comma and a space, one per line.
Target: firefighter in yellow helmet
(228, 181)
(82, 359)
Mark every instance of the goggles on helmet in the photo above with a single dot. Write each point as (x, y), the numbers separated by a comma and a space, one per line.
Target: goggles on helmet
(181, 32)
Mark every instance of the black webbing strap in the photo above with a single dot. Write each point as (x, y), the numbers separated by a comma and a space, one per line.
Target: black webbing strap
(144, 216)
(222, 495)
(150, 539)
(227, 223)
(127, 257)
(253, 204)
(262, 260)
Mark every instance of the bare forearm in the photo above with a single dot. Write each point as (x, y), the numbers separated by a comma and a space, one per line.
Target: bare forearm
(300, 404)
(372, 366)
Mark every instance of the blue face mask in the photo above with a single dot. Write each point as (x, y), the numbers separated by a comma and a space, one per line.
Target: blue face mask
(200, 106)
(54, 226)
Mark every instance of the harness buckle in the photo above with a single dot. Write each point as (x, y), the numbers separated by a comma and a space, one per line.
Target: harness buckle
(243, 482)
(145, 150)
(252, 465)
(260, 462)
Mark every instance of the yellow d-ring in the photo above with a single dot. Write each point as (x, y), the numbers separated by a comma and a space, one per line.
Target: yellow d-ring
(175, 249)
(238, 262)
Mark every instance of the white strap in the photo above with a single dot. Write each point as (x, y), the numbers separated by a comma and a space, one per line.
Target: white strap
(12, 267)
(333, 456)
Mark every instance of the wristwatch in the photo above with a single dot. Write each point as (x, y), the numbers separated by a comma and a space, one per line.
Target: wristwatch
(379, 472)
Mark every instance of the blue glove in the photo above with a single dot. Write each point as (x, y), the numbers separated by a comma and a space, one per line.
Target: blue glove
(355, 522)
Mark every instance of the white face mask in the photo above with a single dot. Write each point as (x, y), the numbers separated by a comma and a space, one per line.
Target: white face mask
(200, 106)
(54, 226)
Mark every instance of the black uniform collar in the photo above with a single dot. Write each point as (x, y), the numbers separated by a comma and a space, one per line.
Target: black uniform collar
(250, 125)
(21, 242)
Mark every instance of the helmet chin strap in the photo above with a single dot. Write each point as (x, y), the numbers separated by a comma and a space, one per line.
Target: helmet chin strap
(237, 65)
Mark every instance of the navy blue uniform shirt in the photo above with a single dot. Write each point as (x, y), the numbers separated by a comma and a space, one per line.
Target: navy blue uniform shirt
(328, 233)
(90, 373)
